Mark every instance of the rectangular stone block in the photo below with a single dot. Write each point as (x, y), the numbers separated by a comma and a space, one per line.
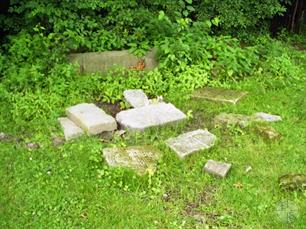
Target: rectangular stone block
(149, 116)
(219, 94)
(261, 116)
(136, 98)
(188, 143)
(71, 130)
(217, 168)
(91, 118)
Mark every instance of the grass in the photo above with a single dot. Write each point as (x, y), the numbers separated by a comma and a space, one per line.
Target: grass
(71, 186)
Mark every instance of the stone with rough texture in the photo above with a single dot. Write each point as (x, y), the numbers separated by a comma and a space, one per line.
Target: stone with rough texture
(188, 143)
(261, 116)
(91, 118)
(142, 159)
(136, 98)
(71, 130)
(149, 116)
(225, 119)
(219, 94)
(268, 132)
(93, 62)
(217, 168)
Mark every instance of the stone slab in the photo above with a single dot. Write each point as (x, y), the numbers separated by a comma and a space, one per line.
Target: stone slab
(268, 132)
(71, 130)
(261, 116)
(149, 116)
(218, 94)
(188, 143)
(217, 168)
(136, 97)
(93, 62)
(225, 119)
(142, 159)
(91, 118)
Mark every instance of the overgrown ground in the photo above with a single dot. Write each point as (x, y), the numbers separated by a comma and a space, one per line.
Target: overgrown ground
(70, 186)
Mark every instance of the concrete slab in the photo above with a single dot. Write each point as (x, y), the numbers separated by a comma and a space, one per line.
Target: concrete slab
(218, 94)
(136, 97)
(261, 116)
(71, 130)
(142, 159)
(217, 168)
(225, 119)
(188, 143)
(149, 116)
(91, 118)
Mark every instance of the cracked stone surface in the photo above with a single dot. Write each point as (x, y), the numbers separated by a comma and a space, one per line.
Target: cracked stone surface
(190, 142)
(136, 98)
(71, 130)
(149, 116)
(261, 116)
(91, 118)
(217, 168)
(225, 119)
(142, 159)
(219, 94)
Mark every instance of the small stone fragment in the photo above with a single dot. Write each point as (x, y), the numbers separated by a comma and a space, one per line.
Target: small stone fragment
(268, 132)
(261, 116)
(295, 181)
(136, 98)
(91, 118)
(224, 119)
(188, 143)
(57, 141)
(32, 146)
(142, 159)
(219, 94)
(248, 169)
(149, 116)
(3, 136)
(71, 130)
(217, 168)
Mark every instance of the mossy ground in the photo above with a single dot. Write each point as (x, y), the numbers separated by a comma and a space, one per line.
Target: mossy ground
(71, 186)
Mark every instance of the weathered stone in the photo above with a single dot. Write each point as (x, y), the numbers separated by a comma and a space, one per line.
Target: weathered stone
(218, 94)
(142, 159)
(149, 116)
(91, 118)
(102, 62)
(3, 136)
(295, 181)
(268, 132)
(71, 130)
(261, 116)
(57, 141)
(224, 119)
(188, 143)
(32, 145)
(217, 168)
(136, 98)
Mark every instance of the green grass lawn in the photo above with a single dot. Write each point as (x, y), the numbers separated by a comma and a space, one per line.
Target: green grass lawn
(71, 186)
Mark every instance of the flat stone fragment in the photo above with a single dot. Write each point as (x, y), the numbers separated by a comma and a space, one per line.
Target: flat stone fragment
(71, 130)
(136, 98)
(268, 132)
(149, 116)
(91, 118)
(217, 168)
(219, 94)
(225, 119)
(261, 116)
(188, 143)
(142, 159)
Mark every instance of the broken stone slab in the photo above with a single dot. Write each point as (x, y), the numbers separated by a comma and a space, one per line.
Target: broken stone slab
(93, 62)
(136, 98)
(91, 118)
(217, 168)
(293, 181)
(261, 116)
(71, 130)
(219, 94)
(190, 142)
(142, 159)
(268, 132)
(149, 116)
(225, 119)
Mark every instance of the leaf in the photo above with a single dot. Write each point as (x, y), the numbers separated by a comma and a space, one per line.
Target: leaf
(161, 15)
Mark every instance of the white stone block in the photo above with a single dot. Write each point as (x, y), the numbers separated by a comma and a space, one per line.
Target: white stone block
(71, 130)
(261, 116)
(217, 168)
(91, 118)
(149, 116)
(136, 98)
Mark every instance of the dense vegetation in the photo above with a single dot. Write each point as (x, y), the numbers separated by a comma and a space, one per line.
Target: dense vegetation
(218, 43)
